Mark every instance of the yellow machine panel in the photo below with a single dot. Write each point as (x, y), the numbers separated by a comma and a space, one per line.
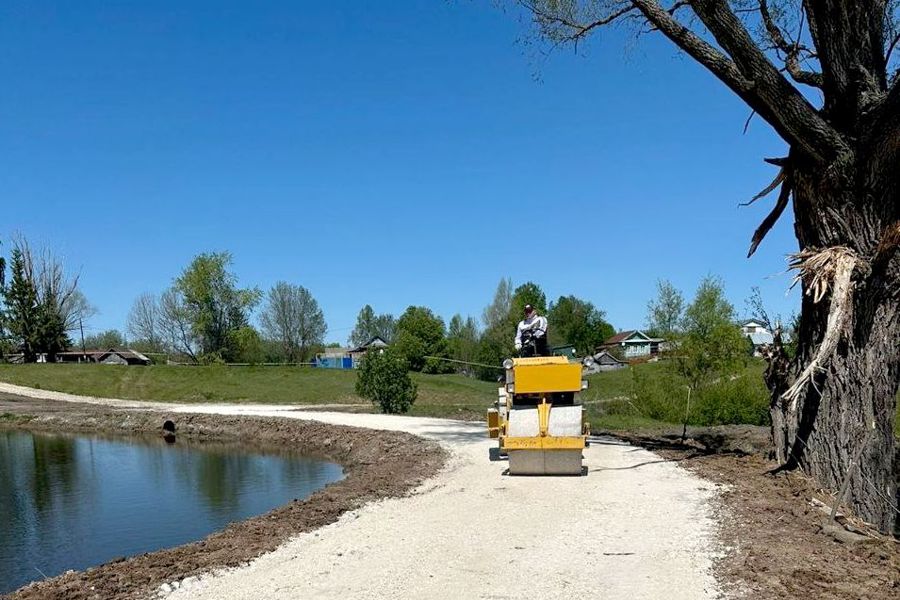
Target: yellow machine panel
(493, 418)
(547, 377)
(544, 443)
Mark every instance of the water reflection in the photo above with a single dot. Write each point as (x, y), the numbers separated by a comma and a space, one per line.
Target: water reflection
(69, 502)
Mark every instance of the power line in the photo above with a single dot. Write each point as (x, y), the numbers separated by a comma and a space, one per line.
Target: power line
(466, 362)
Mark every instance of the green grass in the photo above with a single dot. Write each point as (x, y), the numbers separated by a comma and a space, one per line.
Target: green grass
(439, 395)
(611, 399)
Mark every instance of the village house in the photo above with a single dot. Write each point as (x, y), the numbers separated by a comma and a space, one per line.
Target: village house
(633, 344)
(356, 354)
(758, 334)
(603, 361)
(111, 356)
(348, 358)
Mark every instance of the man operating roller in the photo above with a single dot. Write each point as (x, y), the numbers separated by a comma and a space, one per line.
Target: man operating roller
(531, 334)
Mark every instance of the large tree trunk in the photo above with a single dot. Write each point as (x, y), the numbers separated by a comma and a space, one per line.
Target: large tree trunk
(847, 409)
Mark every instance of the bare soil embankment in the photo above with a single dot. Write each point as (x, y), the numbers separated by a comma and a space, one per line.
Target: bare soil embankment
(377, 464)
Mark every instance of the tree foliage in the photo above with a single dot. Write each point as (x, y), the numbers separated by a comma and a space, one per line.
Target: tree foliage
(213, 304)
(712, 345)
(293, 318)
(462, 341)
(144, 323)
(527, 293)
(666, 311)
(497, 312)
(247, 345)
(43, 303)
(370, 325)
(579, 323)
(384, 379)
(176, 325)
(22, 310)
(111, 338)
(420, 334)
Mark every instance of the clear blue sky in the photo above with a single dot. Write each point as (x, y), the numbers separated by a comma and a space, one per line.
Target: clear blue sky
(396, 154)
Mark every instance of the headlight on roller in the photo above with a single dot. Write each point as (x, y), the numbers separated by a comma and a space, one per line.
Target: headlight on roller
(508, 364)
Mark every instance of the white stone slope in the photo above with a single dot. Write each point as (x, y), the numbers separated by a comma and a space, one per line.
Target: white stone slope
(635, 526)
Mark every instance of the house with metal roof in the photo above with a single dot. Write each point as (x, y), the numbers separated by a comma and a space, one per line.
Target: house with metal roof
(633, 344)
(758, 334)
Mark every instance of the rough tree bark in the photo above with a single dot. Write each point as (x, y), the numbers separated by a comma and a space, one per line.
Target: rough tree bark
(842, 175)
(853, 389)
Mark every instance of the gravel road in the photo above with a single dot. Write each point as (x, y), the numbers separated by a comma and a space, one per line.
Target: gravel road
(634, 527)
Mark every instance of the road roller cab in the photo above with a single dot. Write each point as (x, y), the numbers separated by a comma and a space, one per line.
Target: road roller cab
(538, 418)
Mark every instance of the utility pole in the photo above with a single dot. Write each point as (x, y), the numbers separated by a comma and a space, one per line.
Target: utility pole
(83, 350)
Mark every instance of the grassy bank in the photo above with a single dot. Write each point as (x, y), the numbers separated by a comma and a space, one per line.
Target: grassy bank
(644, 397)
(439, 395)
(610, 399)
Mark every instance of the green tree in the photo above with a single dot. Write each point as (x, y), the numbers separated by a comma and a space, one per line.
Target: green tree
(384, 379)
(497, 312)
(666, 311)
(22, 315)
(527, 293)
(712, 345)
(293, 317)
(370, 325)
(579, 323)
(248, 345)
(462, 341)
(215, 306)
(494, 346)
(51, 337)
(420, 334)
(111, 338)
(59, 306)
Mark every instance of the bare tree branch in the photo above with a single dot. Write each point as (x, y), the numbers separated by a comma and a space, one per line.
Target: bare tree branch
(791, 50)
(782, 174)
(890, 50)
(773, 216)
(772, 95)
(579, 30)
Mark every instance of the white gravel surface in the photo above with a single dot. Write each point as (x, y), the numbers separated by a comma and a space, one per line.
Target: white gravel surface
(635, 526)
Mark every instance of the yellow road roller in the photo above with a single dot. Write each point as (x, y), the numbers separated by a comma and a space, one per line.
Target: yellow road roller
(538, 418)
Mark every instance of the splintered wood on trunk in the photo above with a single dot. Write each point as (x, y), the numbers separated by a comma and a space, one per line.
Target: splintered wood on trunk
(848, 404)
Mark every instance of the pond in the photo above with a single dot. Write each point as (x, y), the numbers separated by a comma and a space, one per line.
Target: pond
(71, 502)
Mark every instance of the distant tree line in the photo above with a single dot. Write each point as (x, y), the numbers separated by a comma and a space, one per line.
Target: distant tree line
(205, 317)
(427, 344)
(42, 303)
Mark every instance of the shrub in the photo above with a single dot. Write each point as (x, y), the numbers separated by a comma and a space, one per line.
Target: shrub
(384, 379)
(740, 400)
(662, 395)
